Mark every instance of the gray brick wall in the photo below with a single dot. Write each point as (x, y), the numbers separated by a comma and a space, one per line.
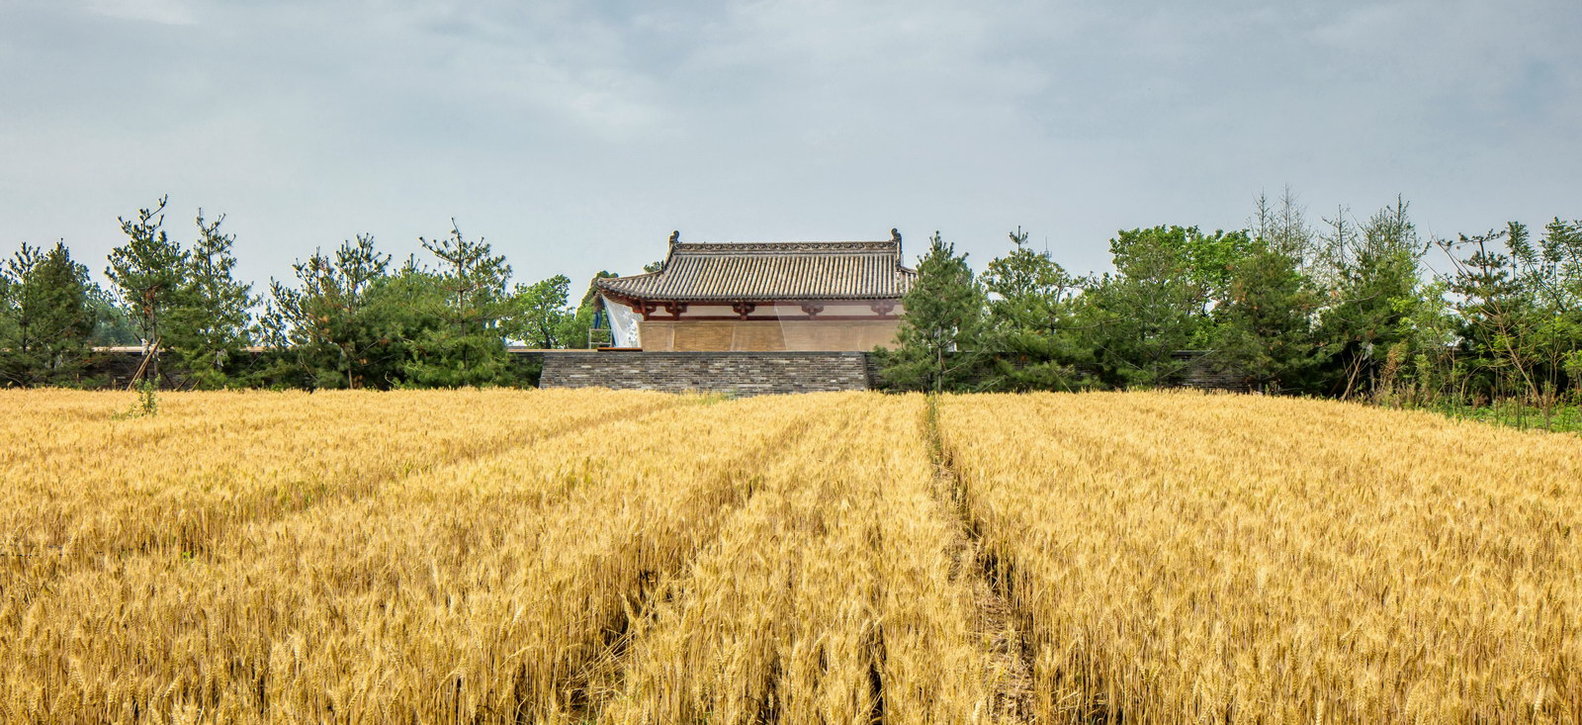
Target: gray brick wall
(737, 373)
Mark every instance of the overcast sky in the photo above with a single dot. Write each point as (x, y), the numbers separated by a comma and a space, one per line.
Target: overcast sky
(575, 136)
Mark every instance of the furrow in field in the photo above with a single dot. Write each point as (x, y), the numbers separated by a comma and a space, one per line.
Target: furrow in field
(829, 597)
(1001, 629)
(1234, 557)
(480, 591)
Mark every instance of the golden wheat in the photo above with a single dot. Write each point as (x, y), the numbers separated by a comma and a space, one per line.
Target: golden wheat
(77, 484)
(477, 589)
(829, 598)
(598, 556)
(1190, 557)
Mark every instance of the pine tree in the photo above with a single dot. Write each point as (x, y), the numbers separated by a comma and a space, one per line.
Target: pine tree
(147, 272)
(45, 317)
(1264, 327)
(1029, 306)
(325, 331)
(468, 348)
(208, 326)
(939, 339)
(1499, 313)
(1374, 274)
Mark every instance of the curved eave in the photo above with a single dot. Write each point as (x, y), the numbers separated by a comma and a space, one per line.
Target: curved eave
(635, 301)
(611, 287)
(726, 299)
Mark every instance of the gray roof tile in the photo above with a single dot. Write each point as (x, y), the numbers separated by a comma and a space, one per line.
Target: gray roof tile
(771, 271)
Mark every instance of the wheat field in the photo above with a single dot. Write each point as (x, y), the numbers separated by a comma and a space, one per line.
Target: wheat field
(622, 557)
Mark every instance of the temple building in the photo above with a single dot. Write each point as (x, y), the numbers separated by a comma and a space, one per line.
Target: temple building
(810, 296)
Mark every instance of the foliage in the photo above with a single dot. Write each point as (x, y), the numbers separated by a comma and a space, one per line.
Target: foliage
(1031, 300)
(186, 301)
(349, 322)
(1263, 329)
(1199, 263)
(939, 338)
(147, 274)
(467, 346)
(147, 404)
(1516, 414)
(540, 317)
(1347, 309)
(325, 330)
(1376, 291)
(208, 325)
(1517, 304)
(1157, 303)
(46, 317)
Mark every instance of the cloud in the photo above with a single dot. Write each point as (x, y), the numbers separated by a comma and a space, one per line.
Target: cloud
(165, 12)
(578, 134)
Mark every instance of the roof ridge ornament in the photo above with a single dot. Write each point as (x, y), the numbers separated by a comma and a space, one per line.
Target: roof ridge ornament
(900, 256)
(670, 251)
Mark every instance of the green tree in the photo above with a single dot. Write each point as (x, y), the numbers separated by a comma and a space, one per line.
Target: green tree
(45, 317)
(938, 341)
(1264, 326)
(540, 316)
(1157, 303)
(1375, 289)
(112, 326)
(1029, 308)
(1498, 310)
(325, 331)
(1199, 262)
(468, 348)
(147, 272)
(208, 325)
(1551, 270)
(1423, 367)
(1133, 328)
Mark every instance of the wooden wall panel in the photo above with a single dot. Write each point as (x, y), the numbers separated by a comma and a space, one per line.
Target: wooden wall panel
(756, 336)
(762, 335)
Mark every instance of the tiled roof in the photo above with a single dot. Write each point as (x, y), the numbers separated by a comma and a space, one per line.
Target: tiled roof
(764, 271)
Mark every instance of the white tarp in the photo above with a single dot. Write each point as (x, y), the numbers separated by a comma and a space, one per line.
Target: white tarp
(623, 323)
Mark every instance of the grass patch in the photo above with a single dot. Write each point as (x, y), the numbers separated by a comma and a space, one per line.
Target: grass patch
(1562, 418)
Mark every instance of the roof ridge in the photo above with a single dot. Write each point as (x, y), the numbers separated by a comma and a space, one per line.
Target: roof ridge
(789, 241)
(772, 270)
(829, 247)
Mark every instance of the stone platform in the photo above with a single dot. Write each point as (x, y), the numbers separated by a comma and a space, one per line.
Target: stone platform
(732, 373)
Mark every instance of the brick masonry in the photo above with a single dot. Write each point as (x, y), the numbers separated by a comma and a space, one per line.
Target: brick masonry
(735, 373)
(739, 373)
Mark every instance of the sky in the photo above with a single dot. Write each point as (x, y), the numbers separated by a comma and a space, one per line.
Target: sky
(574, 136)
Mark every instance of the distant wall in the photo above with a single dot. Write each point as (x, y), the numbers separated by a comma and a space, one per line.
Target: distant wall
(736, 373)
(113, 367)
(1197, 370)
(754, 373)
